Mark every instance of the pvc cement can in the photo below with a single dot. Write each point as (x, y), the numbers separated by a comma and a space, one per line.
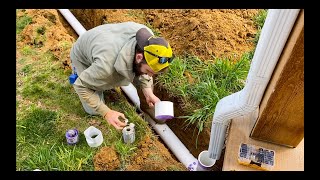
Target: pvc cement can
(72, 136)
(128, 133)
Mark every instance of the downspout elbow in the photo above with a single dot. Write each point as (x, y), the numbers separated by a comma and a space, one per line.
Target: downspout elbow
(226, 109)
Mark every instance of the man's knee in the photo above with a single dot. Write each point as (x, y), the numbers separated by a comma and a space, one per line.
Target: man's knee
(89, 110)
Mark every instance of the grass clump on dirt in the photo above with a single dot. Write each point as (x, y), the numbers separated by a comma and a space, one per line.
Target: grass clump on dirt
(22, 22)
(259, 22)
(201, 85)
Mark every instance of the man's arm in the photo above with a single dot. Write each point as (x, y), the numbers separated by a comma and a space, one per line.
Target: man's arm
(146, 81)
(146, 85)
(85, 87)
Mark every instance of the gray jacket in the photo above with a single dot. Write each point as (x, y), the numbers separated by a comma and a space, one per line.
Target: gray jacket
(103, 59)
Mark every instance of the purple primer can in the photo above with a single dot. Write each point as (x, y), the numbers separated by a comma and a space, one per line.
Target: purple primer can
(72, 136)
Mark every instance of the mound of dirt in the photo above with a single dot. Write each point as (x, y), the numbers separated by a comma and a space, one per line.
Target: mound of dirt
(206, 33)
(153, 156)
(49, 33)
(106, 160)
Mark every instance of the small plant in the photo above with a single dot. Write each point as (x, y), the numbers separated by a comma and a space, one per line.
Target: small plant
(259, 20)
(48, 55)
(22, 22)
(41, 30)
(39, 40)
(64, 46)
(124, 150)
(136, 13)
(27, 50)
(26, 69)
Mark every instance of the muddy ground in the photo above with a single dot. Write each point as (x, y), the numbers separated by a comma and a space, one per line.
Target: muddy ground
(205, 33)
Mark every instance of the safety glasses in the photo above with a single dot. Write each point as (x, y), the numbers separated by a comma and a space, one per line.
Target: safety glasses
(162, 60)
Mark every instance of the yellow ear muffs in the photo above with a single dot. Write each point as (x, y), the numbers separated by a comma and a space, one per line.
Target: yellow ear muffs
(160, 51)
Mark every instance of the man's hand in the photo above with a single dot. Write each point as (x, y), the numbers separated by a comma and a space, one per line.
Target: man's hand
(112, 118)
(150, 97)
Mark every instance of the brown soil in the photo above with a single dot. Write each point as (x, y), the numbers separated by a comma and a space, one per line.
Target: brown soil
(205, 33)
(152, 155)
(106, 160)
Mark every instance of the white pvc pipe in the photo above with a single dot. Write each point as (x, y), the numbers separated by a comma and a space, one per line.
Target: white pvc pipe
(273, 38)
(132, 93)
(75, 24)
(169, 138)
(174, 144)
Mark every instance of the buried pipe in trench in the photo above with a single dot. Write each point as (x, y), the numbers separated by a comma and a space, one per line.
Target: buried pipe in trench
(166, 134)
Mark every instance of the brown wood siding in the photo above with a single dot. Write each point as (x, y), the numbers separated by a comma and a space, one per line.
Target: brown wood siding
(281, 116)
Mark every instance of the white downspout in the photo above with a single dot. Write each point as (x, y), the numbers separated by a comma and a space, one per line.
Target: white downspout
(170, 139)
(273, 37)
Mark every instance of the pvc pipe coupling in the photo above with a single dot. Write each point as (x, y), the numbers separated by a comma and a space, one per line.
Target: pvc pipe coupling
(128, 133)
(164, 110)
(93, 136)
(205, 163)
